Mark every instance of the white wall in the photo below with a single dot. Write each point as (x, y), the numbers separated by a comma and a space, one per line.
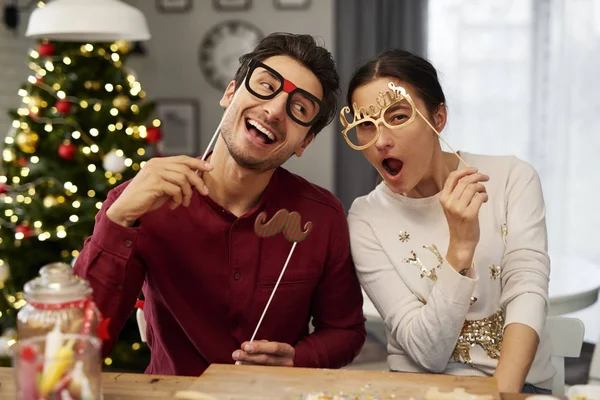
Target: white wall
(171, 68)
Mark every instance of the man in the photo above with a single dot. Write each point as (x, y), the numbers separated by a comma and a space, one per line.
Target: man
(184, 230)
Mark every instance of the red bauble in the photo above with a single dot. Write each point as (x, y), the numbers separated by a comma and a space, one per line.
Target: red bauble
(67, 151)
(22, 161)
(25, 230)
(63, 107)
(46, 49)
(4, 188)
(153, 134)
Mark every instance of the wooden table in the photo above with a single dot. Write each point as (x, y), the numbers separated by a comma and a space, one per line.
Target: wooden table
(230, 382)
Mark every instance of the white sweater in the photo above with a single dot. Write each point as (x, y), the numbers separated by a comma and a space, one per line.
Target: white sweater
(399, 244)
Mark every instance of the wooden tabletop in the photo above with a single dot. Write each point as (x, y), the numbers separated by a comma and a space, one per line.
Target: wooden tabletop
(230, 382)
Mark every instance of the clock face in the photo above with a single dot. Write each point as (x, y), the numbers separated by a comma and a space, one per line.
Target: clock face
(221, 48)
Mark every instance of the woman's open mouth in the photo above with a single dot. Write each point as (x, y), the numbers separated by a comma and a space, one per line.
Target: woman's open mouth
(392, 166)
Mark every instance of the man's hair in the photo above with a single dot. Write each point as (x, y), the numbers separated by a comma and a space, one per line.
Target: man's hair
(305, 50)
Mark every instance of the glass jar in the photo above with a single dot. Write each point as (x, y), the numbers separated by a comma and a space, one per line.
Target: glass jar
(57, 296)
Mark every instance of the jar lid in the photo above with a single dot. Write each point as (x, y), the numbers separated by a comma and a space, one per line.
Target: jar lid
(56, 284)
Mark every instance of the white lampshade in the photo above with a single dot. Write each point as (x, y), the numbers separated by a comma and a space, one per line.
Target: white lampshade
(88, 21)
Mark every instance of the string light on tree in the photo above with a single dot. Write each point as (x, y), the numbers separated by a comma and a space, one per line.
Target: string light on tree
(7, 339)
(49, 201)
(4, 272)
(121, 102)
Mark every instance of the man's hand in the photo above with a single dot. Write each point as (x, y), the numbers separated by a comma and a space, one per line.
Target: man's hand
(263, 352)
(162, 179)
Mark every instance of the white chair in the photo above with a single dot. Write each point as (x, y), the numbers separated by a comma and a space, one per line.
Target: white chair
(141, 321)
(566, 335)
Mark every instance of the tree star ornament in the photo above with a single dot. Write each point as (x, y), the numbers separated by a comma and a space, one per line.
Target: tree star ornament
(290, 223)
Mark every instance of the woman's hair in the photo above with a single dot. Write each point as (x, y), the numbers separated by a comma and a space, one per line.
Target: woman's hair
(406, 67)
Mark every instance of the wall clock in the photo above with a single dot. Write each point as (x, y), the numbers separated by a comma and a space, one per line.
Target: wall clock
(221, 48)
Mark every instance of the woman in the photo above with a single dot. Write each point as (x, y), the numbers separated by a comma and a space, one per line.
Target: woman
(450, 247)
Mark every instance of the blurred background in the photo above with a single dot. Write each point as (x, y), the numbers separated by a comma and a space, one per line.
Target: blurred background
(521, 77)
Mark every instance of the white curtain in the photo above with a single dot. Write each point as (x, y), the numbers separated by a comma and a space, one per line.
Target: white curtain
(523, 77)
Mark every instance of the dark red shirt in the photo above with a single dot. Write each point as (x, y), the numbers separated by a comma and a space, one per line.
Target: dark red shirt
(207, 276)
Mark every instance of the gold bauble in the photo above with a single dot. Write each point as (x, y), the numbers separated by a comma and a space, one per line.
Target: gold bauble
(88, 85)
(123, 46)
(26, 141)
(121, 102)
(50, 201)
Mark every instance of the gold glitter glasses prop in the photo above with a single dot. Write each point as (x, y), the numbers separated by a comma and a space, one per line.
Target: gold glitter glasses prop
(393, 109)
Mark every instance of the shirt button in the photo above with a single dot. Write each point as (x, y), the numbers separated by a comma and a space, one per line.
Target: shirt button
(237, 276)
(128, 243)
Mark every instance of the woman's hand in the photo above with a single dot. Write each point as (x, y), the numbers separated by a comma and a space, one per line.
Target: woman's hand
(461, 199)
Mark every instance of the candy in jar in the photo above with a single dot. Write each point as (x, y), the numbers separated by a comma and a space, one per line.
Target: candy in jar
(57, 296)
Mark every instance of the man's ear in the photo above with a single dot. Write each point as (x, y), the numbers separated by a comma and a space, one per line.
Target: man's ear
(309, 138)
(228, 95)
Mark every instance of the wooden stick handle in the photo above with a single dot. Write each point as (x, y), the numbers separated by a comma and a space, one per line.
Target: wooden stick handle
(441, 137)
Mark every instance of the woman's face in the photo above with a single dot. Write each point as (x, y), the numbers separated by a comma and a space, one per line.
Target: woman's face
(402, 155)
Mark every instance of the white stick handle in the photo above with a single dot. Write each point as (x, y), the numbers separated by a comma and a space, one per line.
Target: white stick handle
(274, 290)
(272, 294)
(210, 144)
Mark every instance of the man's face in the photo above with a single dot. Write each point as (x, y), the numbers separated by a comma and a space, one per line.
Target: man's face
(259, 134)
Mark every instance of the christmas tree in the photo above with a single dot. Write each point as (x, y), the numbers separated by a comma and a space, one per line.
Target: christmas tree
(83, 128)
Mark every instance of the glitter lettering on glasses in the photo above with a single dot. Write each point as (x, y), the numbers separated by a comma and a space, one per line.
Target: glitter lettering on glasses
(393, 108)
